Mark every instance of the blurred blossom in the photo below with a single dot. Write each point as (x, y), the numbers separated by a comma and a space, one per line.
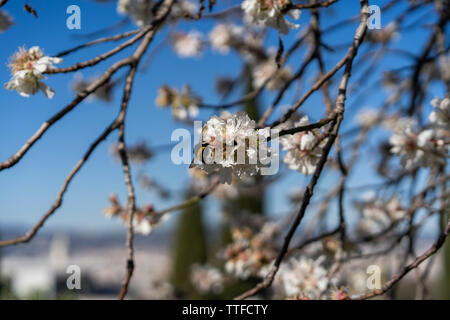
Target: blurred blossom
(304, 149)
(419, 148)
(441, 114)
(184, 104)
(224, 36)
(251, 252)
(367, 117)
(188, 44)
(269, 70)
(145, 220)
(207, 279)
(140, 11)
(378, 215)
(304, 278)
(271, 13)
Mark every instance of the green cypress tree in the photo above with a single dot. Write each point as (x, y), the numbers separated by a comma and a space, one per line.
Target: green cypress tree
(189, 248)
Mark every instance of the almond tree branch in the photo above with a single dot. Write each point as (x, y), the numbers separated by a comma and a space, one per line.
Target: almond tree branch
(97, 41)
(131, 206)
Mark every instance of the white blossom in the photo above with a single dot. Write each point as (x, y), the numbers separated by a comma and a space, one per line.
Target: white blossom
(145, 222)
(183, 8)
(224, 36)
(28, 67)
(303, 149)
(207, 279)
(184, 104)
(404, 143)
(140, 11)
(268, 70)
(417, 148)
(377, 215)
(270, 13)
(441, 114)
(367, 117)
(230, 146)
(304, 278)
(188, 44)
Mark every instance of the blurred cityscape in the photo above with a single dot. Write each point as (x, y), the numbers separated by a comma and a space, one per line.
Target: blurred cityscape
(38, 270)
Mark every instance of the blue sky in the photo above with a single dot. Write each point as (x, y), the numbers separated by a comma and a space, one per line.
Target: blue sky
(28, 189)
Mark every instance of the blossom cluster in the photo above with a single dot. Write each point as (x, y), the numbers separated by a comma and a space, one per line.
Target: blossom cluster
(305, 278)
(144, 219)
(428, 147)
(231, 145)
(188, 44)
(207, 279)
(304, 149)
(142, 12)
(251, 252)
(267, 71)
(28, 67)
(271, 13)
(184, 104)
(378, 215)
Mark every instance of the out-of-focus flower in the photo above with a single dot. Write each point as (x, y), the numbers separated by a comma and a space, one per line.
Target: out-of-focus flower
(145, 220)
(183, 8)
(251, 252)
(404, 143)
(27, 69)
(303, 149)
(271, 13)
(5, 21)
(114, 208)
(207, 279)
(417, 148)
(140, 11)
(268, 70)
(103, 93)
(225, 36)
(368, 117)
(231, 145)
(378, 215)
(304, 277)
(184, 104)
(188, 44)
(441, 114)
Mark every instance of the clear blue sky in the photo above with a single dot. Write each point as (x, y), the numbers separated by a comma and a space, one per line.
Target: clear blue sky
(28, 189)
